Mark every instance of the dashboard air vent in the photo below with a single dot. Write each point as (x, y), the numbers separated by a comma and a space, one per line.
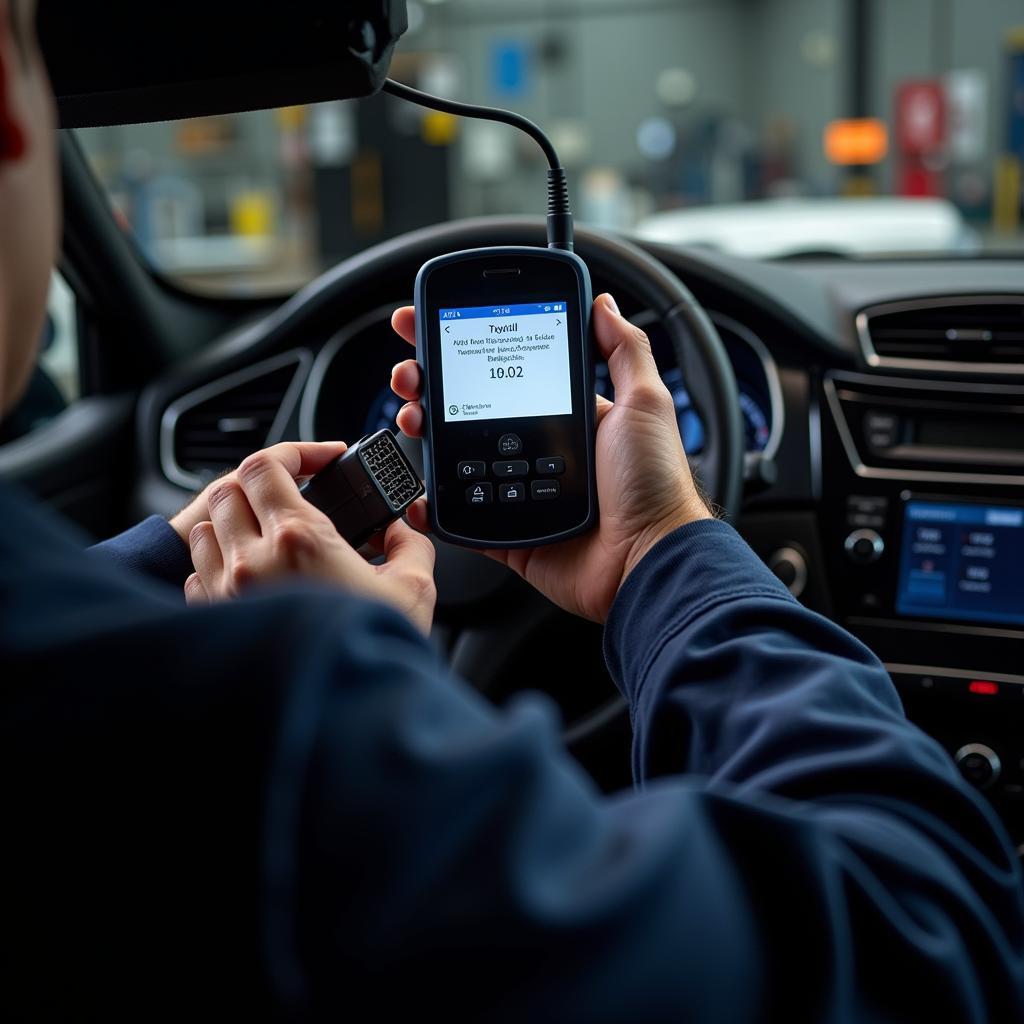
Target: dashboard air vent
(983, 335)
(216, 426)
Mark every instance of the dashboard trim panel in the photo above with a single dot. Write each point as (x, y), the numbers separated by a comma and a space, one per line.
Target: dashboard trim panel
(935, 365)
(169, 421)
(904, 624)
(954, 673)
(886, 473)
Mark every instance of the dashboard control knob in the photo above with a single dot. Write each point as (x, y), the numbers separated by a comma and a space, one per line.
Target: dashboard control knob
(864, 546)
(978, 764)
(790, 566)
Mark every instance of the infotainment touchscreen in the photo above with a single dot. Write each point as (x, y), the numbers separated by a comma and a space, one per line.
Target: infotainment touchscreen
(962, 562)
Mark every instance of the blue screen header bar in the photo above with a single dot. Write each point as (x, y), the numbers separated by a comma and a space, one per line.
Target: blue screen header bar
(493, 312)
(965, 515)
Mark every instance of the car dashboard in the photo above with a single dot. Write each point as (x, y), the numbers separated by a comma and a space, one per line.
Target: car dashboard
(883, 408)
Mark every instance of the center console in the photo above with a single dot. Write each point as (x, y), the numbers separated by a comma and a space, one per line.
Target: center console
(922, 486)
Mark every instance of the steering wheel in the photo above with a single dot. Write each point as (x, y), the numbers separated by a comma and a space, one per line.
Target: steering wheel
(503, 623)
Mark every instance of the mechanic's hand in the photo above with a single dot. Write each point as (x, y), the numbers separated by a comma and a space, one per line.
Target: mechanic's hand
(644, 486)
(314, 456)
(261, 529)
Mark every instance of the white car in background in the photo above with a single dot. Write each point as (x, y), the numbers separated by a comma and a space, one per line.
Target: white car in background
(774, 228)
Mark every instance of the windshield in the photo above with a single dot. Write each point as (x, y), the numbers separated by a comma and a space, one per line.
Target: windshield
(764, 128)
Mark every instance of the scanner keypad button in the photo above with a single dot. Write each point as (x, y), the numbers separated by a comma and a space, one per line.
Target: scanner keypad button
(515, 467)
(472, 470)
(552, 465)
(544, 490)
(510, 444)
(512, 492)
(479, 494)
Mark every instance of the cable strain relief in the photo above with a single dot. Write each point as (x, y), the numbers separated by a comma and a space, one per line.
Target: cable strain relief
(559, 217)
(558, 191)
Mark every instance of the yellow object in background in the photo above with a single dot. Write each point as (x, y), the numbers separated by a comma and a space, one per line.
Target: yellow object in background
(1006, 201)
(290, 118)
(252, 213)
(367, 194)
(439, 129)
(858, 185)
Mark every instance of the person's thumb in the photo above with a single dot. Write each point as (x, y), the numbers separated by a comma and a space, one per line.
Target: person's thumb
(627, 351)
(407, 551)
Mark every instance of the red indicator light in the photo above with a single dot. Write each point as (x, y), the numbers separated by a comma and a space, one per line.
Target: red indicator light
(983, 686)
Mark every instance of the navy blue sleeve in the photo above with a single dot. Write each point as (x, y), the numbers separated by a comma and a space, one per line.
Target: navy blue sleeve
(152, 548)
(288, 797)
(797, 849)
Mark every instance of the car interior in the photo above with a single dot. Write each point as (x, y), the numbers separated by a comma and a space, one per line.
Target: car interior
(860, 420)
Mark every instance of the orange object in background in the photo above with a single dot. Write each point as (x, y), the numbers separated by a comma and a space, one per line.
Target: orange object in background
(853, 142)
(201, 136)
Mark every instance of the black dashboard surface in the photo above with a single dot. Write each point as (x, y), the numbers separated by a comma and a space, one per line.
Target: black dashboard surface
(792, 335)
(819, 299)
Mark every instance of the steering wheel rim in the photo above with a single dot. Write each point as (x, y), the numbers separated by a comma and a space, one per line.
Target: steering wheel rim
(699, 351)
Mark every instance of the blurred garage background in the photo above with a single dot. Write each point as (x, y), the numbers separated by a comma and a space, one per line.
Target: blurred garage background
(770, 128)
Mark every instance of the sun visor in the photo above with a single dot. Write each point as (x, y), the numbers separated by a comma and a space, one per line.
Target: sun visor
(123, 63)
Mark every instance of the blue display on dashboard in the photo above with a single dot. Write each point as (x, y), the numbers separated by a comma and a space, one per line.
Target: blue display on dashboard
(962, 562)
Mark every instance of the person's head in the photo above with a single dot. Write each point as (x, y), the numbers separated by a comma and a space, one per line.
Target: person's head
(29, 195)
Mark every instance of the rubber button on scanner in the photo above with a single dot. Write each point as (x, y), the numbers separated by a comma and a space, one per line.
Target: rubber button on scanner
(472, 470)
(544, 490)
(479, 494)
(517, 467)
(512, 492)
(509, 444)
(551, 466)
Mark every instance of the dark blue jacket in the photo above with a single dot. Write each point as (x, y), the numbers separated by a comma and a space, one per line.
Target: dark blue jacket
(288, 802)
